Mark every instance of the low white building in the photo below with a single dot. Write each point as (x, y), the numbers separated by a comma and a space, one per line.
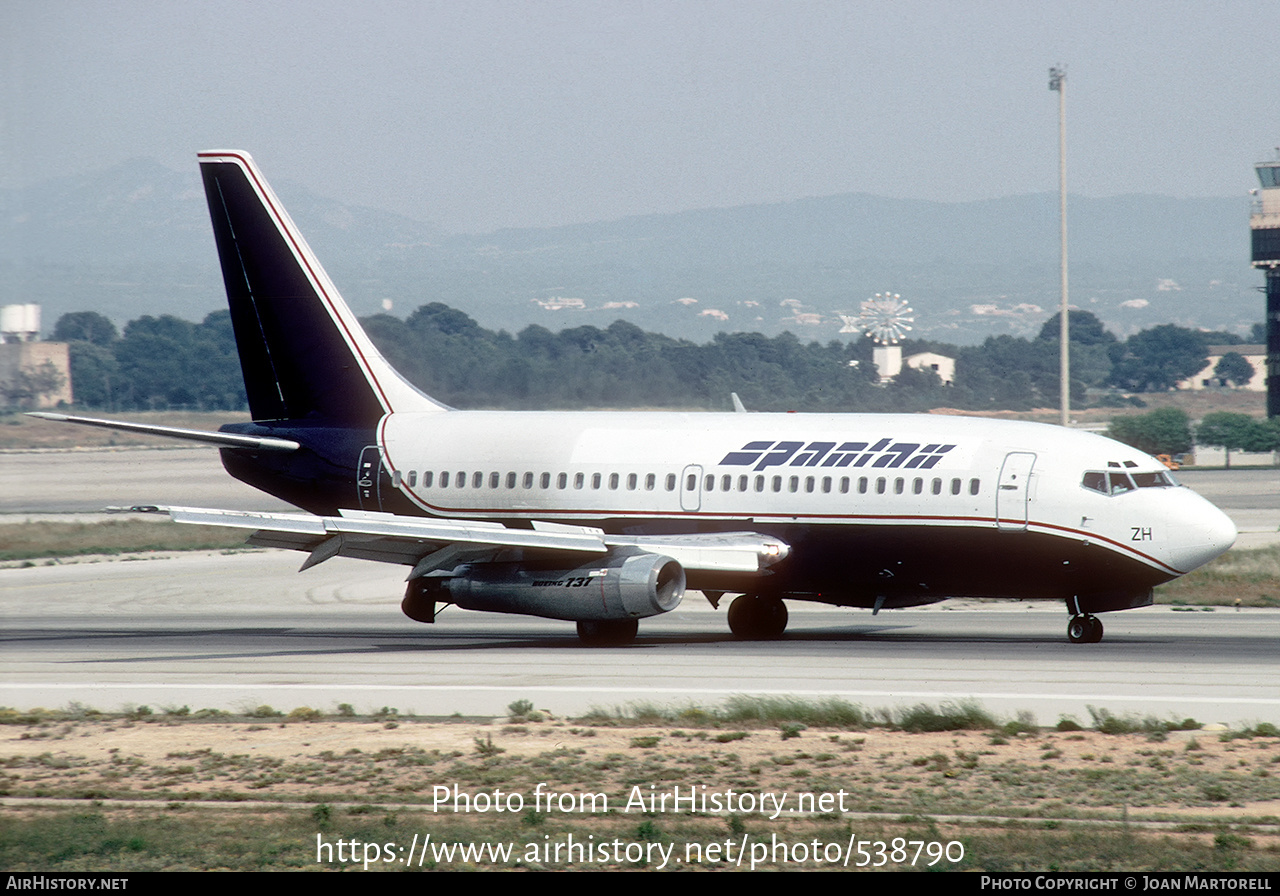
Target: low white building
(943, 366)
(1256, 355)
(889, 363)
(33, 374)
(39, 362)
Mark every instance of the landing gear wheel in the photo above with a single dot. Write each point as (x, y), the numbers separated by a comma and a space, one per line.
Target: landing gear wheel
(1084, 630)
(607, 632)
(754, 617)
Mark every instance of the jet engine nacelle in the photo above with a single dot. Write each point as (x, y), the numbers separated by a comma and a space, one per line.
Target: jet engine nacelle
(616, 586)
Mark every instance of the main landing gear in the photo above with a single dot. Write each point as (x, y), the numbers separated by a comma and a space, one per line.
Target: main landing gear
(607, 632)
(1084, 630)
(757, 617)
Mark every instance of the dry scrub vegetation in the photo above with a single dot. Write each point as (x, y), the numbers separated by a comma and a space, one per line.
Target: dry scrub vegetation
(1249, 578)
(204, 790)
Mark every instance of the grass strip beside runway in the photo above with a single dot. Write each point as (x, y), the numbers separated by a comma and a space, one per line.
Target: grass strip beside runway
(32, 541)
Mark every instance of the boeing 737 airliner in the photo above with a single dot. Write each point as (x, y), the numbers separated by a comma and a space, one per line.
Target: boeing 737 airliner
(606, 518)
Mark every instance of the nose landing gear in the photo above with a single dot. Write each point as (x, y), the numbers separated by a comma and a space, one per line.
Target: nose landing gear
(1084, 630)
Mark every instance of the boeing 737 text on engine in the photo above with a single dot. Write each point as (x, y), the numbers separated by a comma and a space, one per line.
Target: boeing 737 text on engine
(605, 518)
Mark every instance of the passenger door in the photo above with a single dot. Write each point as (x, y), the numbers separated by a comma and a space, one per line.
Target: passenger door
(1012, 491)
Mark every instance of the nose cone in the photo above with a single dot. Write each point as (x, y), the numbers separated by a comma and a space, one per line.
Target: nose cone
(1205, 532)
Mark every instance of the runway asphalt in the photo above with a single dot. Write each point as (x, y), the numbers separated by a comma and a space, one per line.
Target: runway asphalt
(233, 631)
(86, 481)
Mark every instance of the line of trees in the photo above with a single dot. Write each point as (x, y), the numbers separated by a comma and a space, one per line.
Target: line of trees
(167, 362)
(157, 363)
(1169, 431)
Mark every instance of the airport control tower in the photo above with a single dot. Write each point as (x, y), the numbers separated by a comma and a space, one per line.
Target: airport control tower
(1265, 225)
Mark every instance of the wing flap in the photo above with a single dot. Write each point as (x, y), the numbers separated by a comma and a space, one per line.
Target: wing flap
(390, 538)
(729, 552)
(303, 531)
(289, 541)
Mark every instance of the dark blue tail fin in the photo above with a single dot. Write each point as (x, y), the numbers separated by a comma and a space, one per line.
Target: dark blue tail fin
(302, 351)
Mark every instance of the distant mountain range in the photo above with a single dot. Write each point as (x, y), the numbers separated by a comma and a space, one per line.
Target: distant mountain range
(135, 239)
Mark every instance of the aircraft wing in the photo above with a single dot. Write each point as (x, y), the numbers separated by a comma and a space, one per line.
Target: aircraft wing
(428, 544)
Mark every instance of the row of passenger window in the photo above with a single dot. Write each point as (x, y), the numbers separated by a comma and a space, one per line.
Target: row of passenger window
(446, 479)
(826, 484)
(711, 483)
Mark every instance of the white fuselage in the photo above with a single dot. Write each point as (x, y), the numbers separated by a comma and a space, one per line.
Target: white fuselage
(843, 473)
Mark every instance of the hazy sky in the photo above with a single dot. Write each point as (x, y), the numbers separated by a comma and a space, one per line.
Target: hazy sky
(480, 114)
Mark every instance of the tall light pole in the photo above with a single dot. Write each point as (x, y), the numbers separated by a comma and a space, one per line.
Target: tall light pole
(1057, 82)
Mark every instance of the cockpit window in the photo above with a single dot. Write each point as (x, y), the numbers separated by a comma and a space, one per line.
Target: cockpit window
(1120, 482)
(1114, 482)
(1095, 481)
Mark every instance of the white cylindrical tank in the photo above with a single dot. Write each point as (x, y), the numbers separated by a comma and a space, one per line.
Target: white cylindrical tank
(20, 321)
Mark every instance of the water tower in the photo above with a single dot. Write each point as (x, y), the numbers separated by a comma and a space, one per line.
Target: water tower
(19, 323)
(1265, 226)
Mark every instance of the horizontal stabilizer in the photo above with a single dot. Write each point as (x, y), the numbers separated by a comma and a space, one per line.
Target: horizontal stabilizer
(221, 439)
